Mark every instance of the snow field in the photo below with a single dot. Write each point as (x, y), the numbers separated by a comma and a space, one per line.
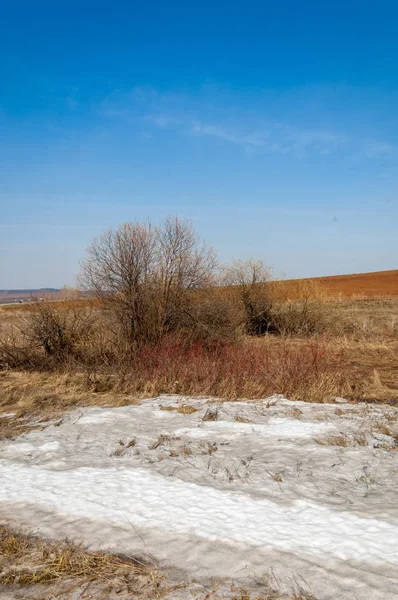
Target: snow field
(254, 479)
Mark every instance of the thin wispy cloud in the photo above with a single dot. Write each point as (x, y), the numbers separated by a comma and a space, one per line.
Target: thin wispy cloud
(373, 148)
(213, 118)
(277, 137)
(164, 121)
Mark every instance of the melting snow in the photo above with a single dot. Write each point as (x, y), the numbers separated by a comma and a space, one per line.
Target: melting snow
(175, 506)
(284, 428)
(219, 497)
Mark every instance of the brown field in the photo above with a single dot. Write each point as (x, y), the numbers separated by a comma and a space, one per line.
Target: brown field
(380, 284)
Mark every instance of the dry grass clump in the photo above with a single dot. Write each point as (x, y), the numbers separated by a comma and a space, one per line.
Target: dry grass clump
(383, 429)
(294, 413)
(29, 560)
(163, 439)
(184, 409)
(242, 419)
(343, 440)
(211, 414)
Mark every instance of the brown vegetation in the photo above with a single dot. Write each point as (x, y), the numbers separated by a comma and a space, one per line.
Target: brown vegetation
(28, 560)
(160, 322)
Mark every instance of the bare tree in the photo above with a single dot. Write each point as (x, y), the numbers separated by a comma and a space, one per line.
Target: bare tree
(249, 278)
(185, 264)
(146, 275)
(118, 271)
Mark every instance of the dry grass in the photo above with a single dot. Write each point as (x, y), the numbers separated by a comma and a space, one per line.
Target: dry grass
(36, 568)
(377, 361)
(39, 397)
(28, 560)
(358, 359)
(184, 409)
(242, 419)
(211, 414)
(256, 369)
(343, 440)
(163, 439)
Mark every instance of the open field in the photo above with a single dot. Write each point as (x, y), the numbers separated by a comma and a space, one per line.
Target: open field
(378, 284)
(356, 354)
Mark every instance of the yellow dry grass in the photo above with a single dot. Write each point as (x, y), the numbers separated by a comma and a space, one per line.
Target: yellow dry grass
(34, 567)
(29, 560)
(367, 331)
(40, 397)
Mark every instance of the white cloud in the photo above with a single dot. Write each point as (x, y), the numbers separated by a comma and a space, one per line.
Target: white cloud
(275, 138)
(210, 117)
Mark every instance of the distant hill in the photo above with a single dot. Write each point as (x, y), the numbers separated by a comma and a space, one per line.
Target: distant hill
(9, 296)
(377, 284)
(29, 291)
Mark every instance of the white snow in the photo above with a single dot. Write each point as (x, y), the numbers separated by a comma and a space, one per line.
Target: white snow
(21, 448)
(187, 508)
(284, 428)
(49, 447)
(219, 497)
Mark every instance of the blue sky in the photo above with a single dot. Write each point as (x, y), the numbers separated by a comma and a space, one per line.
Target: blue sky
(273, 126)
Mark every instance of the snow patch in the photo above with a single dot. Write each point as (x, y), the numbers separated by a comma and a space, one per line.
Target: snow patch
(143, 498)
(49, 447)
(284, 428)
(252, 490)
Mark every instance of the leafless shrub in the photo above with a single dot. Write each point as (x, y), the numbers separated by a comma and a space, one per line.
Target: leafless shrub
(300, 308)
(50, 332)
(288, 308)
(248, 279)
(383, 428)
(186, 450)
